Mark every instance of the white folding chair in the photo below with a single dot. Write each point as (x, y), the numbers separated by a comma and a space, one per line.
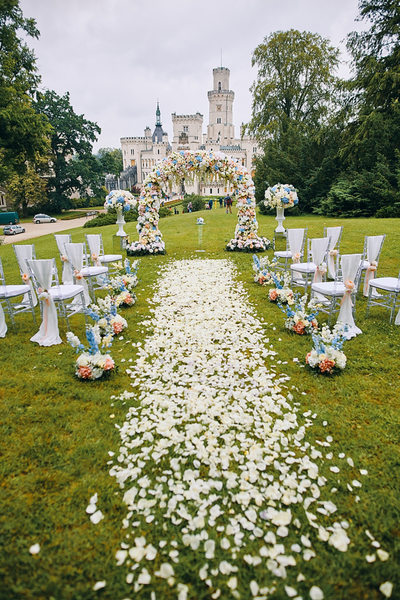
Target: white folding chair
(295, 241)
(385, 291)
(7, 294)
(335, 237)
(340, 295)
(68, 298)
(315, 267)
(95, 245)
(92, 277)
(24, 252)
(370, 260)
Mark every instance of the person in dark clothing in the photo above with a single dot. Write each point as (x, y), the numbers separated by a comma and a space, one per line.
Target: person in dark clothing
(228, 204)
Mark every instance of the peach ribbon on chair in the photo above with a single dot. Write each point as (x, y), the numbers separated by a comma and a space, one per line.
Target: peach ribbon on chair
(350, 265)
(319, 273)
(95, 259)
(369, 274)
(349, 285)
(296, 258)
(48, 334)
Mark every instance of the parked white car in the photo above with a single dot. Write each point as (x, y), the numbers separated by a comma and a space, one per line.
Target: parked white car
(44, 219)
(13, 229)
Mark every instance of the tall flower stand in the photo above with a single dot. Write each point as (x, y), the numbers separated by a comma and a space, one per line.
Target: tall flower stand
(120, 223)
(280, 217)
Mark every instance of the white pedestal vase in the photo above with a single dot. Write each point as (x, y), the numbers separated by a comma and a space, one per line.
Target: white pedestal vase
(280, 217)
(120, 223)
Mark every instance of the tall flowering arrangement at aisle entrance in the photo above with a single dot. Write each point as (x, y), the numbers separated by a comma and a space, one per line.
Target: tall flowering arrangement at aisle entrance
(281, 196)
(207, 167)
(327, 354)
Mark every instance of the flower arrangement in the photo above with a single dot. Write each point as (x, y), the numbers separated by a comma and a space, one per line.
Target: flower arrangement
(209, 166)
(301, 319)
(120, 200)
(264, 269)
(281, 292)
(327, 354)
(281, 196)
(104, 313)
(121, 286)
(91, 364)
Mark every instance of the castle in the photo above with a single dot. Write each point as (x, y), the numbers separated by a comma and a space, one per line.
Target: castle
(142, 153)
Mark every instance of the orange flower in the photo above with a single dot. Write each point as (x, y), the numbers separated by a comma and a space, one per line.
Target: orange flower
(308, 356)
(108, 364)
(117, 327)
(25, 277)
(326, 365)
(299, 328)
(273, 295)
(84, 372)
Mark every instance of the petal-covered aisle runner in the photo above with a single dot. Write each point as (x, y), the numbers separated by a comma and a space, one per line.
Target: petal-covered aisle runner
(224, 495)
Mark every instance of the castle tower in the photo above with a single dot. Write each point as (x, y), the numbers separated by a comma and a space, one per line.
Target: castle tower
(220, 128)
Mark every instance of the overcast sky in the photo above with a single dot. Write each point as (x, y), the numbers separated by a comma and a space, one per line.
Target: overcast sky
(117, 57)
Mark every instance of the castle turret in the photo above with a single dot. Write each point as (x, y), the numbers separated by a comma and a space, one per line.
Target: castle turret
(220, 128)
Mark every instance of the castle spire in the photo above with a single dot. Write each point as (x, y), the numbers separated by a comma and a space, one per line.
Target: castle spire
(158, 115)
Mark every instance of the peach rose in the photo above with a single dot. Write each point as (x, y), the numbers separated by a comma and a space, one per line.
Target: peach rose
(273, 295)
(108, 364)
(84, 372)
(299, 328)
(117, 327)
(326, 365)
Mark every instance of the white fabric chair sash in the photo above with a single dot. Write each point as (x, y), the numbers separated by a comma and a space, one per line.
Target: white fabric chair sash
(24, 253)
(333, 233)
(48, 334)
(295, 242)
(74, 253)
(374, 243)
(319, 247)
(350, 265)
(61, 240)
(3, 324)
(94, 243)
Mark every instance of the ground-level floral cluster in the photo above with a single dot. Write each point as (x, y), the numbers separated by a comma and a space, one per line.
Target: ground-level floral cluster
(213, 461)
(301, 317)
(95, 361)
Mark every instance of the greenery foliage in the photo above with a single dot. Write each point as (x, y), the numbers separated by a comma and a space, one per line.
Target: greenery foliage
(198, 202)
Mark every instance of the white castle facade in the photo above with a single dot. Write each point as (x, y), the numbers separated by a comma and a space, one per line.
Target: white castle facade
(144, 152)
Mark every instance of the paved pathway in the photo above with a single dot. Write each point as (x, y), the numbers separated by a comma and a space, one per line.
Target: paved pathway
(33, 231)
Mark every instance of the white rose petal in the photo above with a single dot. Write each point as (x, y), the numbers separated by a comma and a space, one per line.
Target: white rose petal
(34, 549)
(316, 593)
(386, 589)
(99, 585)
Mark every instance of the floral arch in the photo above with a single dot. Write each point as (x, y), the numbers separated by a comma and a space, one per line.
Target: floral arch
(208, 166)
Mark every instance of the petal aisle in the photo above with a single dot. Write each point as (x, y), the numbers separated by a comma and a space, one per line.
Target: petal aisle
(214, 463)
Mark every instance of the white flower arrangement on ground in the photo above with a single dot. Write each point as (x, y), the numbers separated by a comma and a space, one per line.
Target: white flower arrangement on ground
(91, 364)
(104, 313)
(327, 354)
(281, 196)
(264, 269)
(121, 286)
(302, 318)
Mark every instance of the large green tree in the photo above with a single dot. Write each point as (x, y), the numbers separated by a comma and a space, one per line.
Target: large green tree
(111, 161)
(72, 137)
(23, 132)
(295, 91)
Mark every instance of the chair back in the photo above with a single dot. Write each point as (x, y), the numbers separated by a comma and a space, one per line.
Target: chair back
(2, 278)
(95, 244)
(296, 240)
(351, 269)
(23, 253)
(335, 236)
(318, 250)
(76, 254)
(373, 247)
(43, 273)
(61, 240)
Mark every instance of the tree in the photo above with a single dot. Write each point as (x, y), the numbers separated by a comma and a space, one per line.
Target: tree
(110, 161)
(27, 190)
(295, 82)
(295, 90)
(71, 148)
(23, 132)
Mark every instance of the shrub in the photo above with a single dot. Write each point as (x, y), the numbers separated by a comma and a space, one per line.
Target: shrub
(110, 217)
(198, 202)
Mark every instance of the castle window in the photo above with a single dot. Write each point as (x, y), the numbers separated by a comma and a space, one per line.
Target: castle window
(219, 86)
(196, 137)
(185, 128)
(158, 151)
(219, 120)
(254, 150)
(219, 106)
(210, 190)
(132, 151)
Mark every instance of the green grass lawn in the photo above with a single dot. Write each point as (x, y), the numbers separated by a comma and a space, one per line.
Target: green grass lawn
(56, 431)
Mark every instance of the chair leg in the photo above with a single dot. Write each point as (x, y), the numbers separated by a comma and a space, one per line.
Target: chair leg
(368, 301)
(32, 307)
(10, 311)
(393, 308)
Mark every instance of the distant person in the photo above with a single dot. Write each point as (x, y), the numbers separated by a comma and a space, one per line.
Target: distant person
(210, 203)
(228, 204)
(190, 207)
(220, 202)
